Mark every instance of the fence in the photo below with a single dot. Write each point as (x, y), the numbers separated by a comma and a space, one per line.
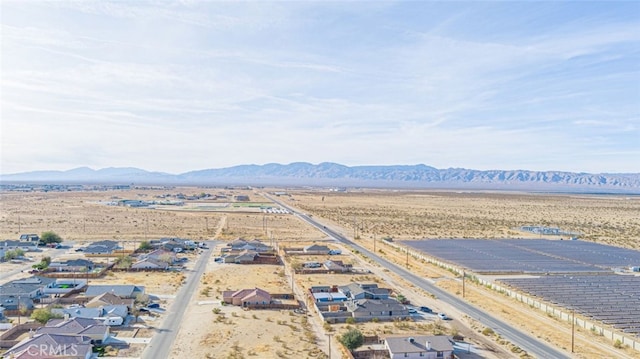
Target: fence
(10, 337)
(80, 275)
(272, 306)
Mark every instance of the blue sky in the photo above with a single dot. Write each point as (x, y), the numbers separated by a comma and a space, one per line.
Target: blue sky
(188, 85)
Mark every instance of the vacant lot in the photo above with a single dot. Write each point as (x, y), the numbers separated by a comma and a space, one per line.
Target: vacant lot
(430, 214)
(85, 216)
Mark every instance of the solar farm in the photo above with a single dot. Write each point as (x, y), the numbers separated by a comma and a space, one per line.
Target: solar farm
(528, 256)
(611, 299)
(573, 274)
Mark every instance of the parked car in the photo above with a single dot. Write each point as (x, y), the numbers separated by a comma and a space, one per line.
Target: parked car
(443, 316)
(426, 309)
(412, 311)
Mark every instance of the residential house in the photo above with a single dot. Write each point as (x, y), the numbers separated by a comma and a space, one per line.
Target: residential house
(11, 302)
(175, 244)
(2, 309)
(329, 297)
(246, 256)
(93, 328)
(247, 297)
(364, 291)
(73, 265)
(108, 298)
(161, 255)
(30, 238)
(102, 247)
(108, 311)
(122, 291)
(382, 309)
(150, 263)
(241, 198)
(255, 245)
(50, 345)
(32, 287)
(9, 245)
(419, 346)
(316, 249)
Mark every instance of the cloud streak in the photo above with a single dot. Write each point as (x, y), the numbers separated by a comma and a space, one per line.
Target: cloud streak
(180, 86)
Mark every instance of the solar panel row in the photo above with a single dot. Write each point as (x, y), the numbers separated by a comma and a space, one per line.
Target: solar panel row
(578, 275)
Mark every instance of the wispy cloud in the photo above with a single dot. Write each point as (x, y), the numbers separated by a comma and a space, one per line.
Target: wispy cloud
(175, 86)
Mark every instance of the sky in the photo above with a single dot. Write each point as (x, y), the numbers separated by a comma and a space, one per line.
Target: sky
(176, 86)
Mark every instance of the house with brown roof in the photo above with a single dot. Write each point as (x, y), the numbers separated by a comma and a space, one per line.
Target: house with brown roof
(108, 298)
(247, 297)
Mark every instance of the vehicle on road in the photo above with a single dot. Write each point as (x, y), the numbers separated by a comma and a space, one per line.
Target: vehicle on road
(426, 309)
(443, 316)
(335, 252)
(412, 311)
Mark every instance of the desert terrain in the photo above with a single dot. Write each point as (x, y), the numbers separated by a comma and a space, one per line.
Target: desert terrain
(221, 331)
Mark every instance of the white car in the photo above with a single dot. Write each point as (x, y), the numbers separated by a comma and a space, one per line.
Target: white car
(443, 316)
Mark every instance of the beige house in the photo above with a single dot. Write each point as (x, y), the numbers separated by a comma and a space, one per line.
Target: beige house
(247, 297)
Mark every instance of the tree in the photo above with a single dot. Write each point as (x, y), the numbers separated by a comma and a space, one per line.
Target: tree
(166, 258)
(145, 246)
(43, 315)
(9, 255)
(50, 237)
(352, 339)
(124, 262)
(142, 299)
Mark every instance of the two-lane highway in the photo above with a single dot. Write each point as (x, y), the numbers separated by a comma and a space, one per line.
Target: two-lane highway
(532, 345)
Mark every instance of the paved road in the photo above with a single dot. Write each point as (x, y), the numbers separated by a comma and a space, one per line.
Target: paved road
(162, 341)
(532, 345)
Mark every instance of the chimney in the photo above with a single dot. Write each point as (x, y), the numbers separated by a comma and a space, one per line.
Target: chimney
(428, 346)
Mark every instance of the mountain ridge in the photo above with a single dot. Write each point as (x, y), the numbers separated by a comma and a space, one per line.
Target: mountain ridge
(328, 173)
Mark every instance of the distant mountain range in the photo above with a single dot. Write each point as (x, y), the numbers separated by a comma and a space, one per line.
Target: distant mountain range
(333, 174)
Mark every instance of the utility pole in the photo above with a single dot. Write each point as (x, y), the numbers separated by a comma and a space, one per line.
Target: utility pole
(463, 275)
(573, 329)
(407, 261)
(374, 243)
(329, 335)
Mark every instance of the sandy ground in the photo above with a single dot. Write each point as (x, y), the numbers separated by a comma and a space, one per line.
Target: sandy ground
(212, 330)
(432, 214)
(84, 217)
(80, 217)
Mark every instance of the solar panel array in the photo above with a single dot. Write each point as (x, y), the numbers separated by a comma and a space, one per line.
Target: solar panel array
(579, 275)
(611, 299)
(528, 255)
